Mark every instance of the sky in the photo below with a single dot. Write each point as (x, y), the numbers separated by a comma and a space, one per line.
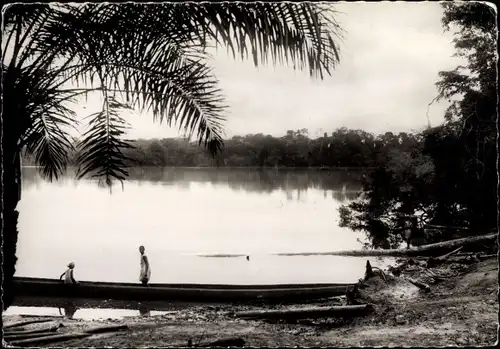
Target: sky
(390, 58)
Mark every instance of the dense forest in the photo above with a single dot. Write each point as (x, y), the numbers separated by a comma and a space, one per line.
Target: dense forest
(342, 148)
(449, 178)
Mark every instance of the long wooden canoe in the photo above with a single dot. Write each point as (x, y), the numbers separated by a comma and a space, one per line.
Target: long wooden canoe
(37, 287)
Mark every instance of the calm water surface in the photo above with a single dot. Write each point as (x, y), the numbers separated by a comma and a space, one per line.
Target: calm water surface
(183, 215)
(80, 314)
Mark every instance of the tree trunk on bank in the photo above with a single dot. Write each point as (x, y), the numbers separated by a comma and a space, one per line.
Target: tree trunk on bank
(10, 197)
(424, 250)
(431, 249)
(345, 310)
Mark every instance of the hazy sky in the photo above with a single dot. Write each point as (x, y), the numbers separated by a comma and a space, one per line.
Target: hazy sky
(390, 59)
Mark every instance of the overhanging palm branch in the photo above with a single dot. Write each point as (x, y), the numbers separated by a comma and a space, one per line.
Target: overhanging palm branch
(100, 150)
(35, 109)
(41, 118)
(299, 33)
(153, 57)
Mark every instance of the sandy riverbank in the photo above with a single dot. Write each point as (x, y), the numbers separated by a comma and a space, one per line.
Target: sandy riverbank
(461, 309)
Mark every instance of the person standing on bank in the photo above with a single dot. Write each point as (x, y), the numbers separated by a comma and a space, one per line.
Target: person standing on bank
(145, 275)
(407, 233)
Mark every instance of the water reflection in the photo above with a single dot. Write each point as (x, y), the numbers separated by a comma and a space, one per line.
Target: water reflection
(251, 180)
(178, 211)
(344, 196)
(144, 310)
(78, 309)
(70, 309)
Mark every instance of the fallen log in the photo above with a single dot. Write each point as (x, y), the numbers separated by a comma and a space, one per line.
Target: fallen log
(49, 339)
(39, 330)
(433, 226)
(419, 250)
(486, 256)
(103, 329)
(423, 250)
(24, 323)
(27, 316)
(432, 261)
(225, 342)
(464, 253)
(464, 259)
(27, 335)
(346, 310)
(450, 253)
(420, 285)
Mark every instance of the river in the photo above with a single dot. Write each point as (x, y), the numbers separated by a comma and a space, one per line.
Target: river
(197, 225)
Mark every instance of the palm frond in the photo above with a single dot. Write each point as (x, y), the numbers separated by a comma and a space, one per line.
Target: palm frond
(20, 24)
(25, 14)
(33, 107)
(152, 73)
(46, 138)
(100, 152)
(304, 34)
(154, 56)
(49, 144)
(177, 91)
(37, 118)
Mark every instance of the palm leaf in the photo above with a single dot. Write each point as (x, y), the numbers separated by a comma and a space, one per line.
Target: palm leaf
(300, 33)
(100, 151)
(33, 107)
(154, 57)
(152, 74)
(38, 118)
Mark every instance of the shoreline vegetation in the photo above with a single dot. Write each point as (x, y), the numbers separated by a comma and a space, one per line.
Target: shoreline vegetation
(342, 149)
(450, 179)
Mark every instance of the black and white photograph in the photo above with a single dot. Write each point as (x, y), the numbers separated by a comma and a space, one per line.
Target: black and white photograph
(249, 174)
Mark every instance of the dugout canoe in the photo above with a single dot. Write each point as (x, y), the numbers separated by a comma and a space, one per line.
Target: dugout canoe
(38, 287)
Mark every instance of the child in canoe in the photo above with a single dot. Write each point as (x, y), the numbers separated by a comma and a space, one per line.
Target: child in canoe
(69, 279)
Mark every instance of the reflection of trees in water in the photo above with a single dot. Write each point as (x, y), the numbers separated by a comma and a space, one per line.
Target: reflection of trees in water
(246, 179)
(31, 177)
(343, 196)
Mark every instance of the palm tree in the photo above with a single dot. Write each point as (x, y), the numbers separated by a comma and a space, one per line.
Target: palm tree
(150, 57)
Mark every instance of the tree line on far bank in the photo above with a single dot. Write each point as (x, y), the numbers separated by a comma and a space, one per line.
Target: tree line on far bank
(342, 148)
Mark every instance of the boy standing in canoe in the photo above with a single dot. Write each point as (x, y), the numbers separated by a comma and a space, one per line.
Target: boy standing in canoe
(145, 275)
(68, 275)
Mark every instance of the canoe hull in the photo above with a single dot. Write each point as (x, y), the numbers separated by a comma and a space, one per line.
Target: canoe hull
(34, 287)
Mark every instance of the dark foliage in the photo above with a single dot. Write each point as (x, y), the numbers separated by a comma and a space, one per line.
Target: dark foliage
(342, 148)
(449, 179)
